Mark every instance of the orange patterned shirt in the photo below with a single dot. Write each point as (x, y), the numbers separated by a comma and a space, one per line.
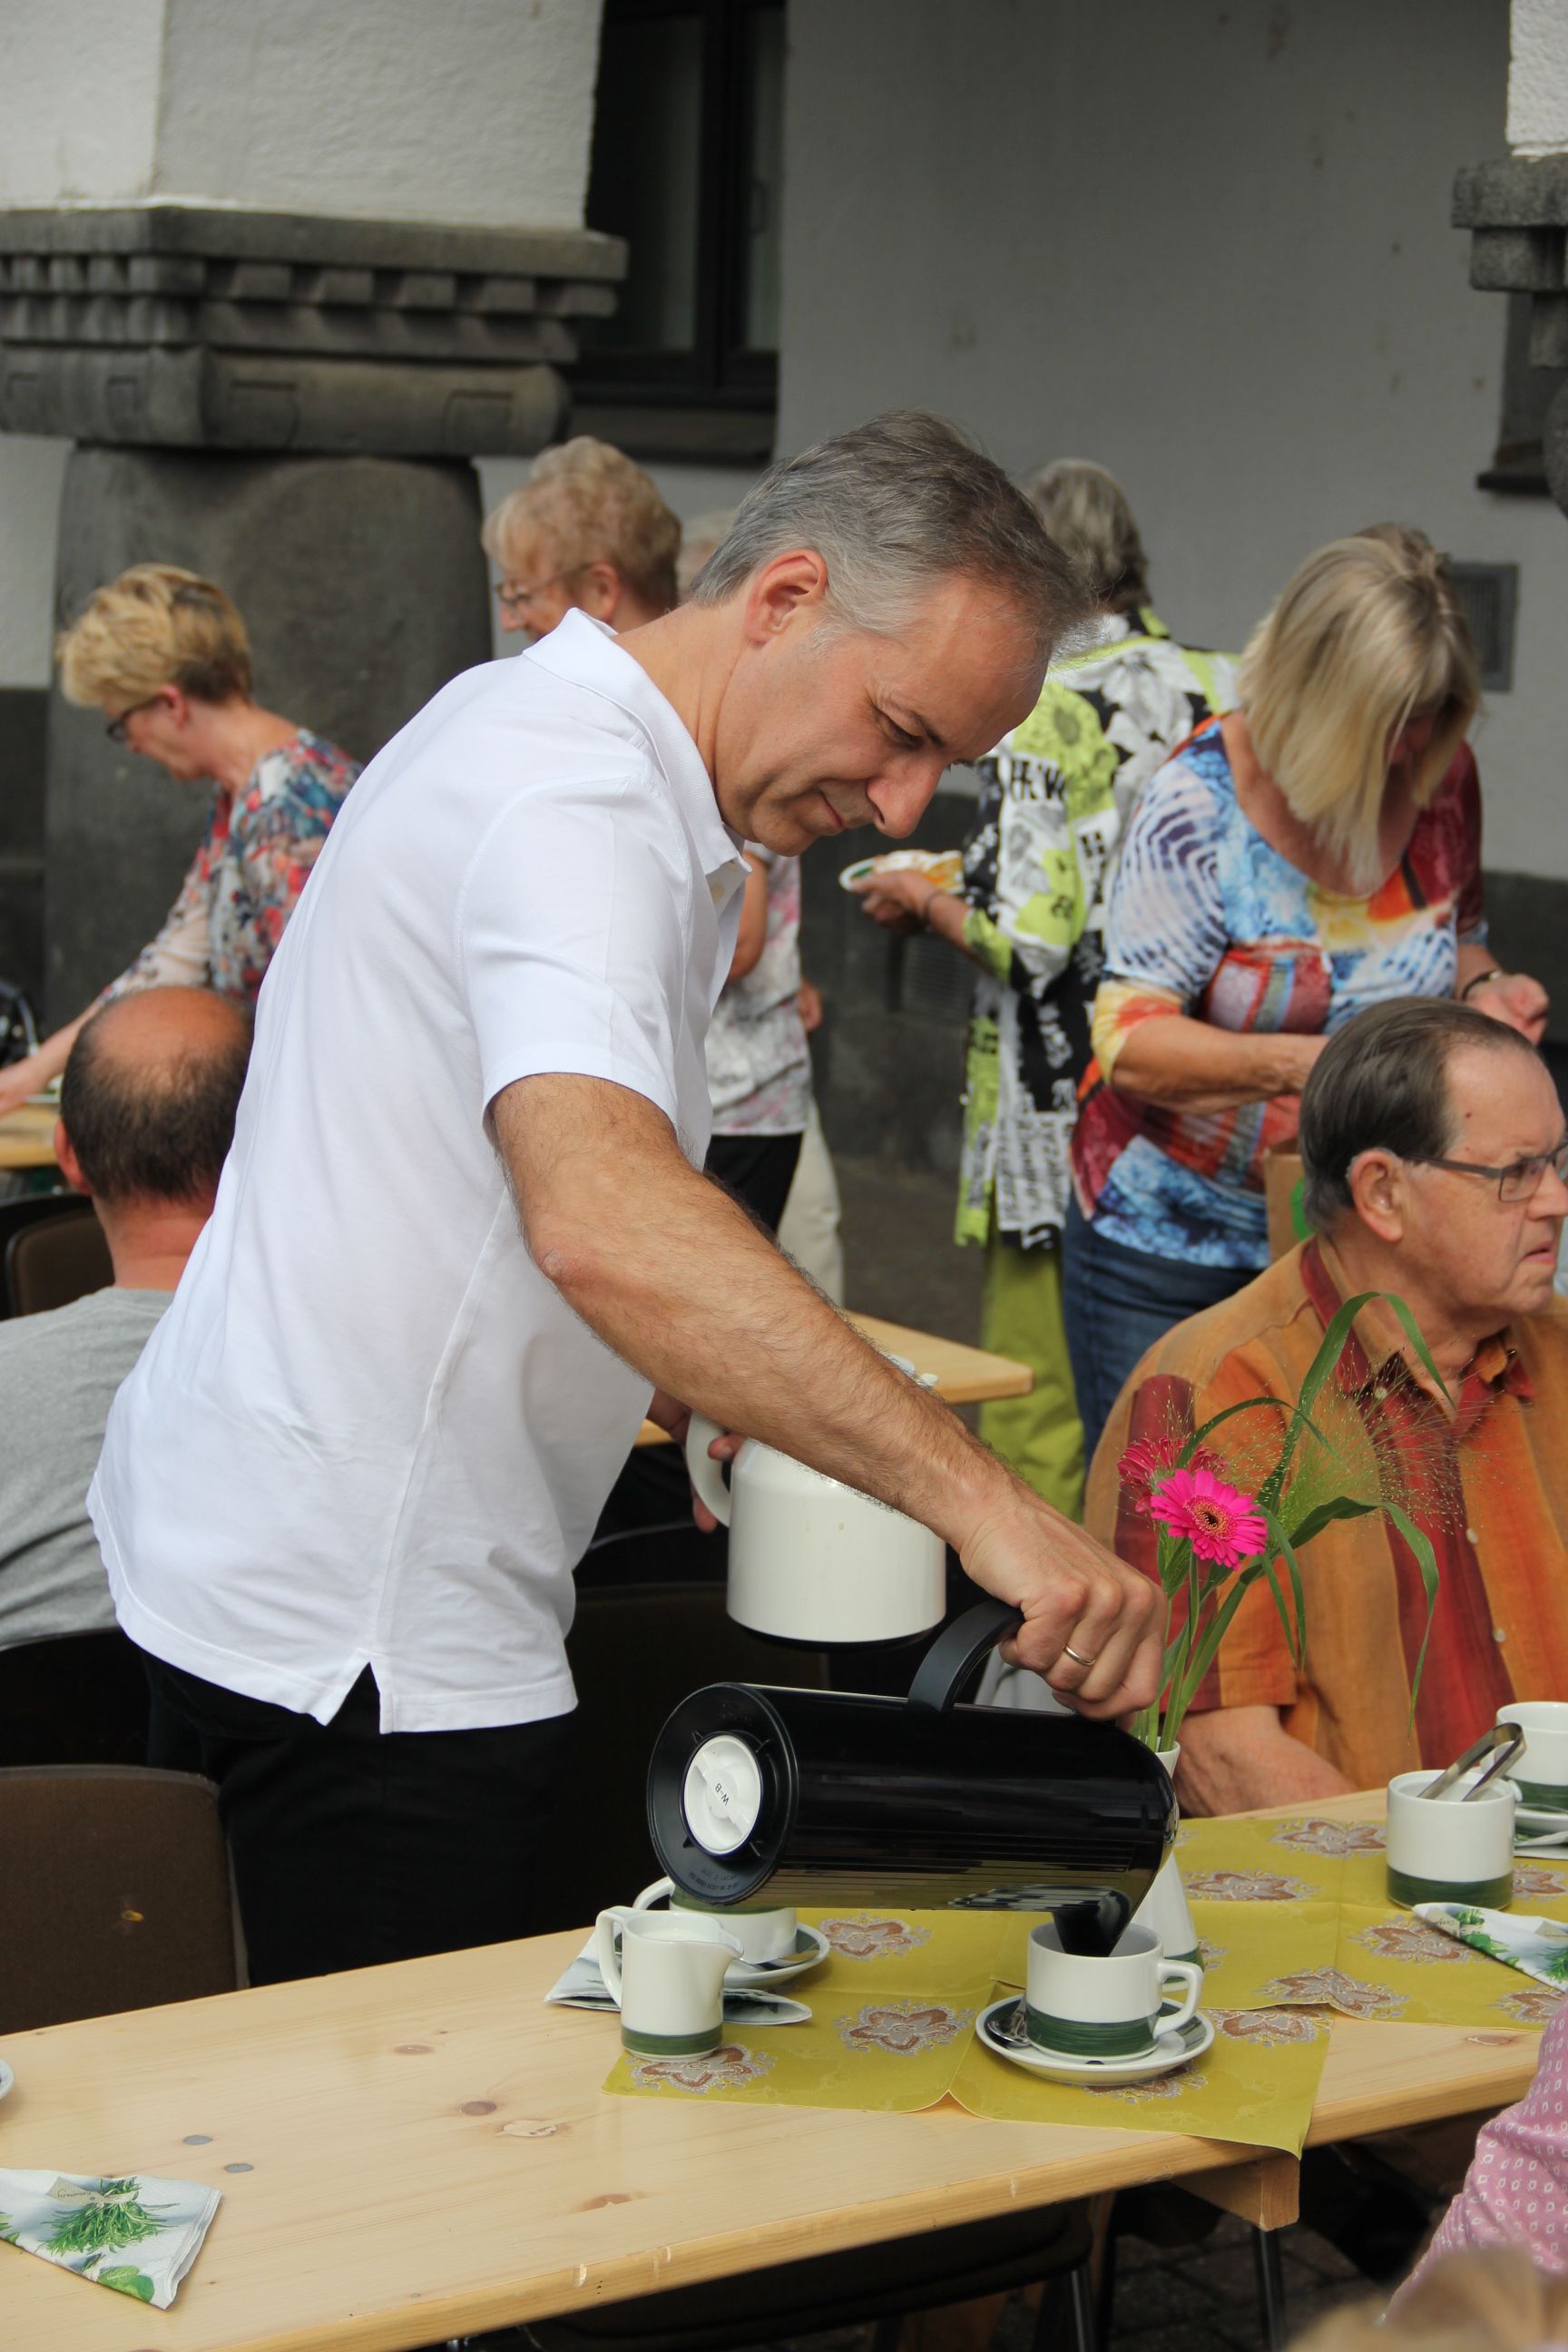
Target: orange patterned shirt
(1487, 1482)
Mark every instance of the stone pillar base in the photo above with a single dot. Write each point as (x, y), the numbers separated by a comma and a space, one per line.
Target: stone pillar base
(363, 588)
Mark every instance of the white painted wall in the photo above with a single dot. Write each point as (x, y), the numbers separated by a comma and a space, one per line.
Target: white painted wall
(1538, 78)
(469, 111)
(78, 99)
(1206, 246)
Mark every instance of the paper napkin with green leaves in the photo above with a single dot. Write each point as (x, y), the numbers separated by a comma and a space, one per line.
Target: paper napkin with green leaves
(135, 2234)
(1538, 1946)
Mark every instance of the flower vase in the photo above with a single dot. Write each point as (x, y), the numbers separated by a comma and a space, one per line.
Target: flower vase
(1165, 1907)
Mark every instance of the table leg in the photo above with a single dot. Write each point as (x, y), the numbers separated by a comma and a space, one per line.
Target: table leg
(1271, 2288)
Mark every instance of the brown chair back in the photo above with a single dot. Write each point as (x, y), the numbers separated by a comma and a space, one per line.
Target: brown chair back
(116, 1894)
(52, 1263)
(637, 1651)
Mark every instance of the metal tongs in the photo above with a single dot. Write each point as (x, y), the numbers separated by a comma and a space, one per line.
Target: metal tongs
(1507, 1738)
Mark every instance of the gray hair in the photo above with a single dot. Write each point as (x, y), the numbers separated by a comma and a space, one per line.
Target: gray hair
(1085, 510)
(894, 508)
(1382, 1083)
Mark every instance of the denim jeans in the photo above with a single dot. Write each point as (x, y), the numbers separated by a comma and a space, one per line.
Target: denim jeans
(1117, 1302)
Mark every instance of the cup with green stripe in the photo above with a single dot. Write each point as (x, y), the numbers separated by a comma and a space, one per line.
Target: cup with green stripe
(1106, 2005)
(1539, 1771)
(1457, 1848)
(665, 1972)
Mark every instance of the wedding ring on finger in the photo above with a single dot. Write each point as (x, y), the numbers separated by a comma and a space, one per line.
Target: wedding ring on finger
(1069, 1652)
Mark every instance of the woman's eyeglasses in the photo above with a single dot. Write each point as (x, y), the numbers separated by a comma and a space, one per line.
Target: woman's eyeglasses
(116, 728)
(1520, 1180)
(513, 599)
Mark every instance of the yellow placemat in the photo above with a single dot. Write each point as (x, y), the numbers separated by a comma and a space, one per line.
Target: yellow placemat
(1256, 2082)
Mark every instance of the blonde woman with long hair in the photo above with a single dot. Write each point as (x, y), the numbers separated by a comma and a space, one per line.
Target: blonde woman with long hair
(1314, 851)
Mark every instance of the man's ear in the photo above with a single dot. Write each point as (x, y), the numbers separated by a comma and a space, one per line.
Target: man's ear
(1378, 1189)
(71, 1166)
(791, 584)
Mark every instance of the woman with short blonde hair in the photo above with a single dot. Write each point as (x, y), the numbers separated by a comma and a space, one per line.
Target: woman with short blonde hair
(165, 653)
(588, 529)
(1313, 851)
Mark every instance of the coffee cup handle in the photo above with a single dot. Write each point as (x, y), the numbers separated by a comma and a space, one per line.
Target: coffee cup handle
(1185, 1972)
(706, 1475)
(604, 1951)
(654, 1894)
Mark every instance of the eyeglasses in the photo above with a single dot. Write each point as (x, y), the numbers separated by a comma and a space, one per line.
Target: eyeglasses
(116, 730)
(513, 599)
(1521, 1181)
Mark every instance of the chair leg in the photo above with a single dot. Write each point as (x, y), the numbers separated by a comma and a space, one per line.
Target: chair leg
(1076, 2288)
(1271, 2288)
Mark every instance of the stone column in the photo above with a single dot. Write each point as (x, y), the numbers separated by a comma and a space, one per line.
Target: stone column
(313, 262)
(1517, 210)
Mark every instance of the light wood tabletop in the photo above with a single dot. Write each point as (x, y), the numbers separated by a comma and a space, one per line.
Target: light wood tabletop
(28, 1136)
(963, 1375)
(423, 2151)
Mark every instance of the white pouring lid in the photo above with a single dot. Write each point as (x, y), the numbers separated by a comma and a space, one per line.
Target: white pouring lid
(723, 1794)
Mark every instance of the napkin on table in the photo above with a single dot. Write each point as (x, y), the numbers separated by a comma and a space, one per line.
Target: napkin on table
(135, 2234)
(583, 1987)
(1538, 1946)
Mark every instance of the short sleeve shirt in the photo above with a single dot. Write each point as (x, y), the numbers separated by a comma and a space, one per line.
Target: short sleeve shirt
(369, 1431)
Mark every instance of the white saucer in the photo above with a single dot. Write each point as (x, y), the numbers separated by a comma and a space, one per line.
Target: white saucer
(7, 2078)
(1171, 2050)
(811, 1949)
(1539, 1818)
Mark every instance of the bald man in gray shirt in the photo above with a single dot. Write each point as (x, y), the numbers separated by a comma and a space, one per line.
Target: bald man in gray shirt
(147, 1108)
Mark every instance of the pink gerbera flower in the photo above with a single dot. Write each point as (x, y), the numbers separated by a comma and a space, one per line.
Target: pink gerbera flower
(1145, 1465)
(1221, 1522)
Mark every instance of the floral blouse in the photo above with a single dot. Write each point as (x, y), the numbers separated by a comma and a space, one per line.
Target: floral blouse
(759, 1064)
(246, 878)
(1055, 796)
(1208, 919)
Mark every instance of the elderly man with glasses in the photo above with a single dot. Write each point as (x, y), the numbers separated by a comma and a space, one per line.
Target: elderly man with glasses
(1435, 1155)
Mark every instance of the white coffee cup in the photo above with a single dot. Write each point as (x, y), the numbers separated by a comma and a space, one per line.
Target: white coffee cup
(1540, 1772)
(1439, 1849)
(667, 1980)
(765, 1935)
(1105, 2007)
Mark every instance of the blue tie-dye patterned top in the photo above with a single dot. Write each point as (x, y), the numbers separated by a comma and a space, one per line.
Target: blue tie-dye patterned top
(1207, 919)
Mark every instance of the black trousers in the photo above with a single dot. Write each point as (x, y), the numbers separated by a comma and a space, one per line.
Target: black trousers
(760, 1167)
(351, 1845)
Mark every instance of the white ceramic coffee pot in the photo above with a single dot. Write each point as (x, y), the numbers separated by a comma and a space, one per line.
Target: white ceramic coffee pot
(812, 1560)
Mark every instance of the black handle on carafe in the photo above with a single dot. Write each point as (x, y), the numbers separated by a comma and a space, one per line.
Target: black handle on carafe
(954, 1655)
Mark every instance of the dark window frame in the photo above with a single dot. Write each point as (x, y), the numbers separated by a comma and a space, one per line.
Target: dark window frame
(719, 372)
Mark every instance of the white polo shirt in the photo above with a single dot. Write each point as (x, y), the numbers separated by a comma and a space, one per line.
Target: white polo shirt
(368, 1431)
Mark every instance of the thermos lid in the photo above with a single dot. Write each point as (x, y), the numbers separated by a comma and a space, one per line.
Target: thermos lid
(723, 1794)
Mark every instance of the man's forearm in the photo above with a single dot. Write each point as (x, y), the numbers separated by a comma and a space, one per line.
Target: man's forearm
(676, 1278)
(1236, 1758)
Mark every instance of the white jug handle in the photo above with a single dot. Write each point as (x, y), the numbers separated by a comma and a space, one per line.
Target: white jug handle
(1188, 1973)
(706, 1475)
(652, 1895)
(604, 1951)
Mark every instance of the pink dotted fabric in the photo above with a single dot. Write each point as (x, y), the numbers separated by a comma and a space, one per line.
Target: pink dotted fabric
(1516, 2191)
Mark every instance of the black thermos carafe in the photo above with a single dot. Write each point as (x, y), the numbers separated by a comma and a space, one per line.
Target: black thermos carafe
(826, 1797)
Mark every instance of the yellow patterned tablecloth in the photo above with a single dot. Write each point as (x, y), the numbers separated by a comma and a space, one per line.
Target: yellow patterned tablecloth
(1294, 1923)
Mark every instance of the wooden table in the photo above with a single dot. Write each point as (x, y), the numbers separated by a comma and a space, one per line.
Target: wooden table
(963, 1375)
(28, 1136)
(428, 2154)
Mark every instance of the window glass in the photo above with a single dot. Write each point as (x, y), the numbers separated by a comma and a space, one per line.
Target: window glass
(762, 178)
(645, 176)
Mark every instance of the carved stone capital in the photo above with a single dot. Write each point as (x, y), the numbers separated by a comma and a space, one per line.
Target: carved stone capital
(199, 326)
(1517, 214)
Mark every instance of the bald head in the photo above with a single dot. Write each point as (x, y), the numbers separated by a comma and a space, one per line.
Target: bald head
(150, 1092)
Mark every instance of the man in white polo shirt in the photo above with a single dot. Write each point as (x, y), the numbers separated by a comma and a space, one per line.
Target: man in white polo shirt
(463, 1241)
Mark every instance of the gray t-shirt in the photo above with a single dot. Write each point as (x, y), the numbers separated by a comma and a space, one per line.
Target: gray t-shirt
(58, 1373)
